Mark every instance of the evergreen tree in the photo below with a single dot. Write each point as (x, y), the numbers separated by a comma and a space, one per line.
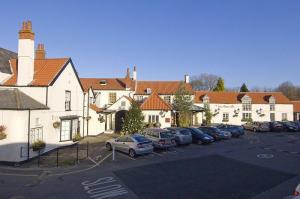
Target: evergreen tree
(220, 85)
(208, 115)
(182, 104)
(134, 119)
(244, 88)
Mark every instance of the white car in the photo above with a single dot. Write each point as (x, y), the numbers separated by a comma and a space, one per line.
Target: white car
(297, 192)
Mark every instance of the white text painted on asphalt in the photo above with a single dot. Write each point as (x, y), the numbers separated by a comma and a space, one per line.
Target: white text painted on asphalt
(102, 188)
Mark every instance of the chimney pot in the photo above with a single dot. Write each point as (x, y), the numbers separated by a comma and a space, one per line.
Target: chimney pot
(40, 52)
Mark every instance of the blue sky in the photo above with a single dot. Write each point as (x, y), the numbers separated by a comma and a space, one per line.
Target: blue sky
(252, 41)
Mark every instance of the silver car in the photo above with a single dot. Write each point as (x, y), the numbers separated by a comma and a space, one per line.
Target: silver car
(182, 136)
(132, 144)
(161, 138)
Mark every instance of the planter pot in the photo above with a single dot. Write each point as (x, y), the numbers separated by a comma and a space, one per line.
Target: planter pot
(56, 124)
(2, 136)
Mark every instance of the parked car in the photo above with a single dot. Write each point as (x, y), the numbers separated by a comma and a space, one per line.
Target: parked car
(296, 193)
(289, 126)
(276, 126)
(297, 123)
(216, 133)
(236, 131)
(161, 138)
(199, 137)
(257, 126)
(132, 144)
(182, 136)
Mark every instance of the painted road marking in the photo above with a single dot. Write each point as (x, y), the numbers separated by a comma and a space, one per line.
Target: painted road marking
(106, 187)
(265, 156)
(91, 159)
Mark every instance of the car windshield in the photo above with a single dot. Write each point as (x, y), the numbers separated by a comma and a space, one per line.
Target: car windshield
(166, 134)
(140, 139)
(185, 132)
(198, 131)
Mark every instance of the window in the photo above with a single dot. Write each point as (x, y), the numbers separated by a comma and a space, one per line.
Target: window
(272, 107)
(65, 130)
(167, 99)
(153, 118)
(225, 117)
(247, 106)
(92, 100)
(112, 98)
(272, 117)
(140, 98)
(284, 116)
(68, 100)
(36, 134)
(123, 103)
(247, 116)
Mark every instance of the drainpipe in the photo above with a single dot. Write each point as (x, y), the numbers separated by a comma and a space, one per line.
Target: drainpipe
(28, 136)
(88, 112)
(83, 114)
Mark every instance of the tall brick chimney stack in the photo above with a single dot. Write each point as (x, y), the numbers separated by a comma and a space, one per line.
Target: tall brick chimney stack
(40, 52)
(134, 73)
(128, 73)
(25, 54)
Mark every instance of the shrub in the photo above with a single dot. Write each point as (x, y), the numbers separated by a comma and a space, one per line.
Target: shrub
(38, 145)
(2, 132)
(77, 137)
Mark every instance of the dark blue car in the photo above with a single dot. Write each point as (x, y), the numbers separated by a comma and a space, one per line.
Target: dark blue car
(236, 131)
(199, 137)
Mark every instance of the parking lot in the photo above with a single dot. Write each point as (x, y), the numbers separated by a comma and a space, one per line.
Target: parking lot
(256, 165)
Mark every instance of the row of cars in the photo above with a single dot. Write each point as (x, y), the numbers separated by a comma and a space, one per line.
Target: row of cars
(156, 138)
(285, 126)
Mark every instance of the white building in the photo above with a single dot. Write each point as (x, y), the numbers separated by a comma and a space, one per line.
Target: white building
(237, 108)
(113, 98)
(52, 85)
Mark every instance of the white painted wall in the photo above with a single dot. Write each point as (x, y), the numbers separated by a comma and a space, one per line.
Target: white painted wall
(25, 61)
(229, 108)
(95, 126)
(162, 119)
(4, 77)
(102, 98)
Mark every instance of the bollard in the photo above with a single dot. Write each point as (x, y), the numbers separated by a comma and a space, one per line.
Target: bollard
(39, 158)
(77, 159)
(113, 153)
(87, 149)
(57, 158)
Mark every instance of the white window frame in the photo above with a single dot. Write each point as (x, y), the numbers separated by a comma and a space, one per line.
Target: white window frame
(112, 97)
(68, 97)
(153, 118)
(225, 117)
(284, 116)
(36, 134)
(247, 115)
(167, 99)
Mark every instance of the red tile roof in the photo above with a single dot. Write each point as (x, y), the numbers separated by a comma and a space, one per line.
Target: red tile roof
(111, 83)
(235, 97)
(160, 87)
(296, 106)
(45, 71)
(95, 108)
(154, 102)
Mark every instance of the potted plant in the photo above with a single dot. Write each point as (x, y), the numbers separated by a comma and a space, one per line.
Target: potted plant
(2, 132)
(38, 145)
(56, 124)
(157, 124)
(77, 137)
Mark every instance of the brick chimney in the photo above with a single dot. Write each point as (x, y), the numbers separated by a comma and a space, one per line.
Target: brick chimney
(25, 54)
(128, 73)
(40, 52)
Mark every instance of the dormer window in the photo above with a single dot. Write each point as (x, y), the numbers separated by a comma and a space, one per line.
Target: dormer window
(272, 103)
(247, 103)
(148, 91)
(103, 82)
(205, 100)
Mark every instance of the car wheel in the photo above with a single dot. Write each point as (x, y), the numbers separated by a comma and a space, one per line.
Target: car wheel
(131, 153)
(108, 146)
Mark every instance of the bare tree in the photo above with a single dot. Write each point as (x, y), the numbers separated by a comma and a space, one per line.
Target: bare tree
(204, 81)
(289, 90)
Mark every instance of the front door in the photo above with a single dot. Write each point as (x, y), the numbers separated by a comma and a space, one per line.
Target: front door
(272, 117)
